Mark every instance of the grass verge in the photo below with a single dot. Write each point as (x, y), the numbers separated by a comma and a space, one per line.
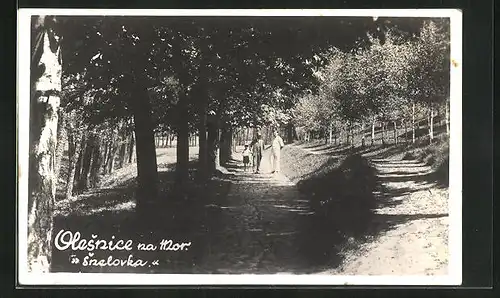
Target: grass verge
(340, 192)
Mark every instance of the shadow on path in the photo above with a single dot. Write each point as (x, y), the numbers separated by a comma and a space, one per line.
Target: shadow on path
(246, 223)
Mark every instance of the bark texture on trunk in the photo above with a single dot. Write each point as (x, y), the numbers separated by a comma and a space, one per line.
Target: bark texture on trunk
(383, 133)
(82, 183)
(352, 136)
(447, 118)
(122, 152)
(97, 157)
(330, 131)
(289, 133)
(213, 145)
(413, 123)
(182, 170)
(79, 161)
(406, 130)
(131, 148)
(44, 107)
(62, 142)
(431, 123)
(203, 148)
(112, 155)
(395, 132)
(73, 150)
(147, 170)
(346, 131)
(225, 144)
(363, 134)
(373, 133)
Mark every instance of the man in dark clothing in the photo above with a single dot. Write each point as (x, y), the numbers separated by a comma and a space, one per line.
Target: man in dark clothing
(257, 150)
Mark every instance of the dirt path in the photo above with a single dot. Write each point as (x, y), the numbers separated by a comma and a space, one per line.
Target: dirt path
(262, 225)
(418, 245)
(265, 232)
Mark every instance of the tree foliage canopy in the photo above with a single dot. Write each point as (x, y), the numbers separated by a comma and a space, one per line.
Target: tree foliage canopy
(380, 81)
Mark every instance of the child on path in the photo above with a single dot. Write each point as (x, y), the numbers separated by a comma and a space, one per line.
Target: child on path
(246, 158)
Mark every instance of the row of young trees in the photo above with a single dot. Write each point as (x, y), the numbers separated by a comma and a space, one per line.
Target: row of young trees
(394, 83)
(93, 150)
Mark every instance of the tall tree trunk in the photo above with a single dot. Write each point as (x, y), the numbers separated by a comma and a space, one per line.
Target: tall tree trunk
(73, 150)
(383, 133)
(109, 152)
(330, 130)
(289, 132)
(352, 135)
(213, 145)
(128, 140)
(230, 139)
(431, 123)
(182, 171)
(203, 148)
(373, 133)
(44, 107)
(217, 150)
(131, 148)
(79, 162)
(97, 157)
(147, 169)
(234, 142)
(62, 141)
(406, 130)
(105, 156)
(447, 117)
(413, 122)
(82, 183)
(123, 149)
(112, 154)
(363, 134)
(395, 132)
(346, 131)
(225, 144)
(111, 158)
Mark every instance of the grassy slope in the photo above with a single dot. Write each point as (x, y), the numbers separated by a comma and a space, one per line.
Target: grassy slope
(340, 191)
(340, 185)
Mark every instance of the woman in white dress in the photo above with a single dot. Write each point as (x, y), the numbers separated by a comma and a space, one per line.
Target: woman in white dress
(276, 147)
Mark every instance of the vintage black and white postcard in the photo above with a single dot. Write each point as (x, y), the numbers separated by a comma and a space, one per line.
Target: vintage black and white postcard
(239, 147)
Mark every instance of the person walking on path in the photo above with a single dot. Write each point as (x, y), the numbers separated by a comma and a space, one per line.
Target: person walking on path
(276, 146)
(246, 157)
(257, 150)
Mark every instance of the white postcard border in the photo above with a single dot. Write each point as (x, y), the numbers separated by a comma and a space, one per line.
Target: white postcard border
(455, 191)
